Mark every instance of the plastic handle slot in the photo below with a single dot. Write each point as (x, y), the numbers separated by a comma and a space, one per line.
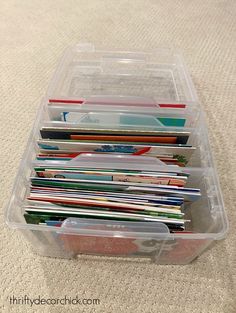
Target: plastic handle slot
(121, 101)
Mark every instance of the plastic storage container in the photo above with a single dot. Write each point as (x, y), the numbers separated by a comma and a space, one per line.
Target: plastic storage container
(114, 88)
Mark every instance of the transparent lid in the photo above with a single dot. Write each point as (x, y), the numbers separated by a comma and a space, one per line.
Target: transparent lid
(89, 75)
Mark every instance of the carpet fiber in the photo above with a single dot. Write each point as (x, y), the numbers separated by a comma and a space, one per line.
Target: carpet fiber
(33, 34)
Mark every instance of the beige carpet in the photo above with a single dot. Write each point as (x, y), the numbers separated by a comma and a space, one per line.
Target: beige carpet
(33, 35)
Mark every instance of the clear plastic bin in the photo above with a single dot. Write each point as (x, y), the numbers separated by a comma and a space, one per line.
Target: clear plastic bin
(100, 85)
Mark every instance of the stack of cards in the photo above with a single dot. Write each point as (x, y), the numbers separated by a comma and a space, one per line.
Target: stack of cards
(66, 150)
(116, 129)
(59, 191)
